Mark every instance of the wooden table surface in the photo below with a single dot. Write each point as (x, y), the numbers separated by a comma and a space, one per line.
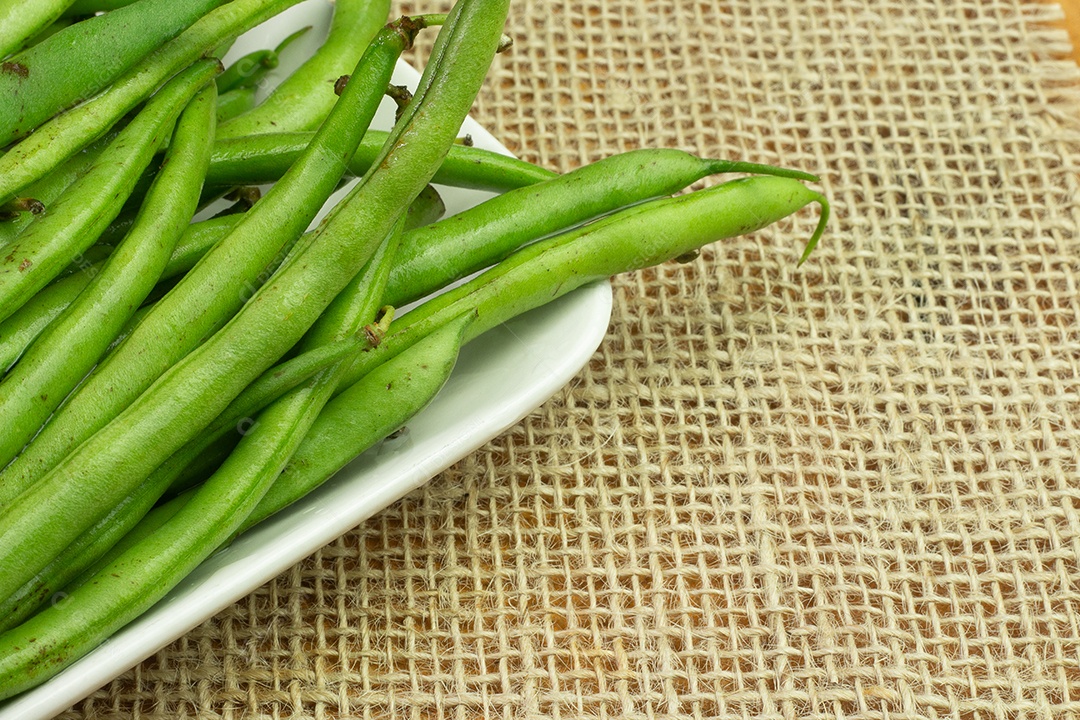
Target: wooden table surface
(1072, 23)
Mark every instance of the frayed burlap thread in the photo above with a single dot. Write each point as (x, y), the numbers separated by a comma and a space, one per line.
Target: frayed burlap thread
(850, 490)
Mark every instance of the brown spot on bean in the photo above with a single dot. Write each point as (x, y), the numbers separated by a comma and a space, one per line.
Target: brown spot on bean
(15, 68)
(25, 264)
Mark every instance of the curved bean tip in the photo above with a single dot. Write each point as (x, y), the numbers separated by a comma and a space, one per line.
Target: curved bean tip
(505, 43)
(823, 220)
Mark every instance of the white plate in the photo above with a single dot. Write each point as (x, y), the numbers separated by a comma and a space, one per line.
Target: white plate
(500, 378)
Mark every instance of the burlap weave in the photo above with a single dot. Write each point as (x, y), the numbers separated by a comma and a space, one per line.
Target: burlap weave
(846, 491)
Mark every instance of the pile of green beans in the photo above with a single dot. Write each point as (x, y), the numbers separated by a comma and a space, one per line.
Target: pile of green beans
(167, 383)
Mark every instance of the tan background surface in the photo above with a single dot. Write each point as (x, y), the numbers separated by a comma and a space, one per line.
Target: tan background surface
(846, 491)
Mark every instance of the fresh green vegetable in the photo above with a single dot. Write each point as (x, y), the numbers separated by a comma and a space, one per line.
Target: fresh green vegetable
(436, 256)
(303, 99)
(80, 60)
(47, 245)
(137, 575)
(99, 538)
(51, 144)
(20, 21)
(250, 71)
(92, 7)
(19, 330)
(257, 159)
(223, 281)
(634, 238)
(233, 102)
(100, 472)
(73, 343)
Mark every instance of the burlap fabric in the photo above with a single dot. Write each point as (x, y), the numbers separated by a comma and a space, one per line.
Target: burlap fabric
(846, 491)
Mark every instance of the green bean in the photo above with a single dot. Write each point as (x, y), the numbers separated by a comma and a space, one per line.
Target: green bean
(20, 21)
(64, 21)
(536, 275)
(352, 422)
(250, 70)
(261, 454)
(258, 159)
(299, 404)
(196, 389)
(92, 7)
(172, 475)
(630, 239)
(627, 240)
(190, 313)
(98, 539)
(303, 99)
(73, 343)
(263, 159)
(53, 75)
(234, 102)
(134, 579)
(253, 64)
(356, 420)
(52, 186)
(427, 208)
(64, 135)
(46, 246)
(19, 330)
(634, 238)
(460, 245)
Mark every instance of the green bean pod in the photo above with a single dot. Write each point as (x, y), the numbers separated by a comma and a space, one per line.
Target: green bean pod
(351, 423)
(303, 99)
(99, 538)
(250, 71)
(462, 244)
(58, 139)
(233, 270)
(19, 330)
(64, 21)
(628, 240)
(49, 243)
(187, 396)
(73, 343)
(148, 565)
(93, 7)
(283, 424)
(631, 239)
(234, 102)
(52, 186)
(246, 71)
(51, 76)
(259, 159)
(20, 21)
(238, 417)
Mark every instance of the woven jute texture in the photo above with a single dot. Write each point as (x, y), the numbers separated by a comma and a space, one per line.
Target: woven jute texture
(850, 490)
